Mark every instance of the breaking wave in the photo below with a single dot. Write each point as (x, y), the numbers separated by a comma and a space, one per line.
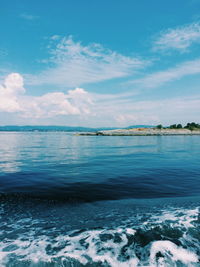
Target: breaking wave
(168, 237)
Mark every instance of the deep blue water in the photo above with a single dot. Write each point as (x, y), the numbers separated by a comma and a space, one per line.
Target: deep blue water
(99, 201)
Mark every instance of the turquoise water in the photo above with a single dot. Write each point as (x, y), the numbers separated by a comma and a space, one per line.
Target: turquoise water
(99, 201)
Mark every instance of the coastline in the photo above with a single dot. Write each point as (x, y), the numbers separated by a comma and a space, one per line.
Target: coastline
(141, 132)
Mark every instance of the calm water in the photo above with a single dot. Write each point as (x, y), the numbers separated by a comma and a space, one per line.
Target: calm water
(99, 201)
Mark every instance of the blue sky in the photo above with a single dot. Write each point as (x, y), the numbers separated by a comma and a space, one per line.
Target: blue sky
(99, 63)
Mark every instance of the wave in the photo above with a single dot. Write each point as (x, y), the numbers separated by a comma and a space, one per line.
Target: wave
(169, 237)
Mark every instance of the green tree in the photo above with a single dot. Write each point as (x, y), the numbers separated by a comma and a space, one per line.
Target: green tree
(192, 126)
(159, 126)
(179, 126)
(173, 126)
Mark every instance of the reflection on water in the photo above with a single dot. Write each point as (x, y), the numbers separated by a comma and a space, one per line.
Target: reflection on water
(50, 216)
(98, 167)
(10, 145)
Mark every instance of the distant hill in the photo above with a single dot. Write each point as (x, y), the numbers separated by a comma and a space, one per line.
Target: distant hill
(52, 128)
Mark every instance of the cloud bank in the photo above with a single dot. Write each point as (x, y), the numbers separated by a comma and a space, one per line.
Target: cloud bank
(13, 99)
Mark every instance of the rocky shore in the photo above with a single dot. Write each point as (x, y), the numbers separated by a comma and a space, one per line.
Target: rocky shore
(142, 132)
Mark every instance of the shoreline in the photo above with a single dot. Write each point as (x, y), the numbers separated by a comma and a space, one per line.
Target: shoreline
(141, 132)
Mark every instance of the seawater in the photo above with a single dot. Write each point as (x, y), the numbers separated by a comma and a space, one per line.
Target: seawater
(69, 200)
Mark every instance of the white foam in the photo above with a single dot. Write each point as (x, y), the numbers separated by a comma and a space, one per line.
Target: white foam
(167, 248)
(104, 245)
(176, 217)
(130, 231)
(97, 250)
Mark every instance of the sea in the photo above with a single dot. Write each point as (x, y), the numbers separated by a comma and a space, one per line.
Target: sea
(120, 201)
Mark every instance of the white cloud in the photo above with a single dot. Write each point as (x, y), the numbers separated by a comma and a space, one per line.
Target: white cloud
(72, 64)
(55, 37)
(179, 38)
(136, 119)
(75, 102)
(93, 109)
(14, 84)
(28, 16)
(9, 92)
(166, 111)
(159, 78)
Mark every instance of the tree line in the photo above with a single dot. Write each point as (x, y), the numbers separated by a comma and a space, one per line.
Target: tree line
(190, 125)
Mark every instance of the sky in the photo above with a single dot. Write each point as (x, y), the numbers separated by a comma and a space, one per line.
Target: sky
(99, 63)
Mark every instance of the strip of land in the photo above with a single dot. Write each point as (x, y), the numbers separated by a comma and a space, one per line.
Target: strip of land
(142, 132)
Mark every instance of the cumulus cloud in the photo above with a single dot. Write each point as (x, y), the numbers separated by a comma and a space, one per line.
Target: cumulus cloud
(97, 110)
(12, 99)
(74, 64)
(14, 84)
(9, 92)
(180, 38)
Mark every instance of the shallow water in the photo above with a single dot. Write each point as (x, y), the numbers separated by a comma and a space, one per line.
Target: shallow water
(99, 201)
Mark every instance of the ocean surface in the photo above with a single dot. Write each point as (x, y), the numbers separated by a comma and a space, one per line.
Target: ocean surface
(69, 200)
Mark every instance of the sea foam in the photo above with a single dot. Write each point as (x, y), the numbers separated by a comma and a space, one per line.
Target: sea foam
(160, 240)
